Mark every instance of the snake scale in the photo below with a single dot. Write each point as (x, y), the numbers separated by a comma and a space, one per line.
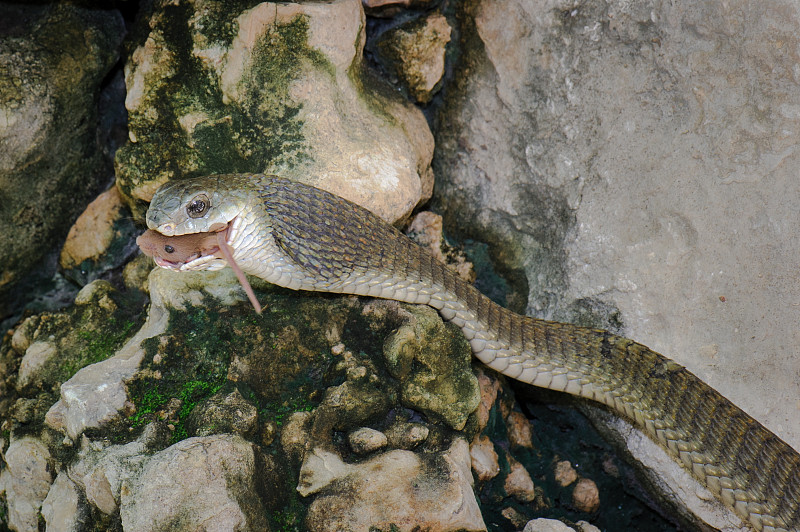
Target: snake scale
(304, 238)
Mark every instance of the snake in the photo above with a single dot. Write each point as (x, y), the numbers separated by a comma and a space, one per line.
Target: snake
(304, 238)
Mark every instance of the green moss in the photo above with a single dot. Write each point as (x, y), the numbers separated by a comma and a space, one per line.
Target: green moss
(257, 130)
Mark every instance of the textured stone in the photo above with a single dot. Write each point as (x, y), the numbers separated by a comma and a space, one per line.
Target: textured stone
(546, 525)
(25, 481)
(518, 482)
(637, 163)
(484, 458)
(417, 51)
(429, 491)
(433, 367)
(100, 239)
(230, 413)
(586, 496)
(366, 440)
(275, 88)
(564, 473)
(37, 355)
(63, 509)
(199, 483)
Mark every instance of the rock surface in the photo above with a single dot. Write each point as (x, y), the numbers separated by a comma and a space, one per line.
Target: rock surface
(52, 62)
(636, 162)
(200, 483)
(25, 482)
(276, 88)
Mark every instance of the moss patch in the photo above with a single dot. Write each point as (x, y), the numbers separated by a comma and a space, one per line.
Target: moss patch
(184, 126)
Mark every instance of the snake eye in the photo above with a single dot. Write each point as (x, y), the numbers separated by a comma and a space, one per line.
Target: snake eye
(169, 249)
(198, 206)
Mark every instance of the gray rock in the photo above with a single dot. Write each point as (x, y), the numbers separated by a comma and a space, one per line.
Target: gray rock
(199, 483)
(64, 509)
(52, 60)
(25, 481)
(637, 162)
(37, 355)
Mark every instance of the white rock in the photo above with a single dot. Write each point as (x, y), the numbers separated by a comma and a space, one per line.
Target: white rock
(62, 509)
(25, 481)
(484, 458)
(199, 483)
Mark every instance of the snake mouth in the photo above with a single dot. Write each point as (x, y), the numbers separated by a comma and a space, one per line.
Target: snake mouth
(188, 251)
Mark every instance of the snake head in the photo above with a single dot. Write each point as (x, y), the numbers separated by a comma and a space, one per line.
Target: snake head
(192, 206)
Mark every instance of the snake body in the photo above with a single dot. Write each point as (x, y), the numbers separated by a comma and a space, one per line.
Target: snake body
(304, 238)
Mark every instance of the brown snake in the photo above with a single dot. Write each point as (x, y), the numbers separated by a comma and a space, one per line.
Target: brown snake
(303, 238)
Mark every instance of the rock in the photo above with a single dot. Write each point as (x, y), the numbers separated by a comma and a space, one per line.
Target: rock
(630, 174)
(217, 414)
(426, 230)
(366, 440)
(484, 458)
(53, 62)
(206, 483)
(434, 367)
(520, 431)
(25, 481)
(64, 509)
(431, 492)
(389, 8)
(518, 482)
(546, 525)
(99, 240)
(587, 527)
(407, 435)
(416, 49)
(36, 357)
(585, 496)
(276, 88)
(565, 474)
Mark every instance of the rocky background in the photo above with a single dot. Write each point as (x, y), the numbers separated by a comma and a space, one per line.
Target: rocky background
(616, 164)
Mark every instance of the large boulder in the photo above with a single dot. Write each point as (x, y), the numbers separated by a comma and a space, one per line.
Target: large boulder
(53, 60)
(634, 165)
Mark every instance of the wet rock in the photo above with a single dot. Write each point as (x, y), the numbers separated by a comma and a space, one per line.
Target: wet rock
(25, 482)
(53, 60)
(64, 508)
(433, 492)
(276, 88)
(366, 440)
(204, 482)
(416, 49)
(586, 496)
(100, 239)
